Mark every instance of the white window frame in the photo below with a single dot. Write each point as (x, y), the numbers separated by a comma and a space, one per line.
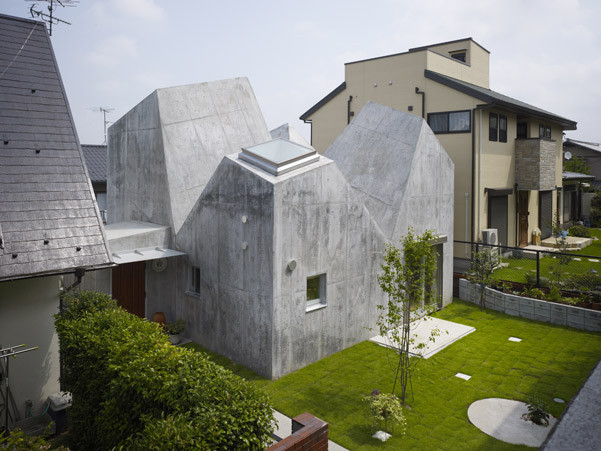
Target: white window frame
(321, 301)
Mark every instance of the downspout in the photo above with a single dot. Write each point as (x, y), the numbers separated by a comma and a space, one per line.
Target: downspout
(479, 172)
(517, 216)
(473, 220)
(310, 130)
(423, 94)
(349, 113)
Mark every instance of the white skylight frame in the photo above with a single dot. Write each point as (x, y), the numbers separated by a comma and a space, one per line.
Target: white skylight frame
(279, 156)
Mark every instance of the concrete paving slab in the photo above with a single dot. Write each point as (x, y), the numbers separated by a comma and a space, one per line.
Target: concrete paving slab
(516, 339)
(450, 332)
(502, 419)
(465, 377)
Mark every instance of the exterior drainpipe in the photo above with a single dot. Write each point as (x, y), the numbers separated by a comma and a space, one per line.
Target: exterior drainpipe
(310, 130)
(517, 216)
(423, 94)
(473, 219)
(349, 113)
(479, 173)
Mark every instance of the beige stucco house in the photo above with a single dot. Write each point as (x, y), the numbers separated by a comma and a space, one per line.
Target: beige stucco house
(507, 154)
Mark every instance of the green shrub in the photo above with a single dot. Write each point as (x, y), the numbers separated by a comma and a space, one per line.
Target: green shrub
(387, 412)
(132, 389)
(579, 231)
(76, 303)
(595, 217)
(596, 201)
(534, 293)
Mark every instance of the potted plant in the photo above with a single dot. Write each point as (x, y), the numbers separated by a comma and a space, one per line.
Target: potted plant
(174, 329)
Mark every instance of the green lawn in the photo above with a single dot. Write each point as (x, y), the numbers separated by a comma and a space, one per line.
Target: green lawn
(519, 267)
(551, 361)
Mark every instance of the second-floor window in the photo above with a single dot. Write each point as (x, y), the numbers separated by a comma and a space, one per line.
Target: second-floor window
(497, 127)
(450, 122)
(544, 131)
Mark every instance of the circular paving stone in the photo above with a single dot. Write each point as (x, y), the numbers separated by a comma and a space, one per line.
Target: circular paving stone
(502, 419)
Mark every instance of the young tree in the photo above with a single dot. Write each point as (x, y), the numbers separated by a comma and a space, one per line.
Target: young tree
(579, 165)
(482, 267)
(407, 279)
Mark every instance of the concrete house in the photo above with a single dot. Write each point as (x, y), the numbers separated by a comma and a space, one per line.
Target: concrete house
(49, 225)
(507, 154)
(281, 245)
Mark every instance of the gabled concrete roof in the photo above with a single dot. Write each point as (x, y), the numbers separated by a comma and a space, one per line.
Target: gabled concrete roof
(377, 153)
(182, 133)
(286, 131)
(48, 220)
(95, 157)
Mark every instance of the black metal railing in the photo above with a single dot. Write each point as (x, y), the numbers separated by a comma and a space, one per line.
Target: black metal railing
(540, 268)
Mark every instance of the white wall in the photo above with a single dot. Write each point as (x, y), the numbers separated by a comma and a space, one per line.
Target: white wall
(26, 309)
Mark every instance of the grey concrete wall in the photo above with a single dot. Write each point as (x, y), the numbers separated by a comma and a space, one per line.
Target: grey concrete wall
(99, 280)
(233, 315)
(137, 180)
(326, 229)
(26, 309)
(402, 174)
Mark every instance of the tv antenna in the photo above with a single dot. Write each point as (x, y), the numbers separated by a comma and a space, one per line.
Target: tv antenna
(104, 112)
(49, 17)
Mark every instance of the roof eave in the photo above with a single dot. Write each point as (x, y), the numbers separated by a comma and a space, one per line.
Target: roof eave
(493, 102)
(341, 87)
(55, 272)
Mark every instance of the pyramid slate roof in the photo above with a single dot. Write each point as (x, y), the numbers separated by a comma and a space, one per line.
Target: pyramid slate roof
(48, 220)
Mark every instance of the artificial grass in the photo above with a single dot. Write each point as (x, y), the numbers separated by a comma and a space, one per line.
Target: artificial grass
(551, 361)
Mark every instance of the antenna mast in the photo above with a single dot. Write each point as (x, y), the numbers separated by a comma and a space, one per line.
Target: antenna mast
(49, 16)
(104, 111)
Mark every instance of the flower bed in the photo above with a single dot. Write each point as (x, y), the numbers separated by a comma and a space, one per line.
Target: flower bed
(550, 312)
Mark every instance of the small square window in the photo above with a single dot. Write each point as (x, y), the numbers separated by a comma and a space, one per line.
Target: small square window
(316, 292)
(194, 281)
(459, 56)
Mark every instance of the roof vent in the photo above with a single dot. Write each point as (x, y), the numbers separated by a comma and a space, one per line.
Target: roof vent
(279, 156)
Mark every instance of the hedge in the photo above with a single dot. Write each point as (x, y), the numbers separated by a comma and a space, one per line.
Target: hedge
(132, 389)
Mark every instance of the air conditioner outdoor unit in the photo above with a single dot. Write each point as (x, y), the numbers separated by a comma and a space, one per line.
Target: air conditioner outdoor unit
(490, 236)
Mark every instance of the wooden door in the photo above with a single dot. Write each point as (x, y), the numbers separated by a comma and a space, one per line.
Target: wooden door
(129, 287)
(523, 218)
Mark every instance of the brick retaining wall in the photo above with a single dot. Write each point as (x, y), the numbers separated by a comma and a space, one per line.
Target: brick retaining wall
(308, 433)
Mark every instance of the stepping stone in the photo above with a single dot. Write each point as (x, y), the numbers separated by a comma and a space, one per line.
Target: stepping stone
(578, 259)
(533, 270)
(382, 436)
(465, 377)
(594, 260)
(559, 400)
(517, 340)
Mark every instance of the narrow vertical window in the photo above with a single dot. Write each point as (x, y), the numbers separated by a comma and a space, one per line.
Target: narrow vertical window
(194, 281)
(541, 131)
(493, 127)
(502, 128)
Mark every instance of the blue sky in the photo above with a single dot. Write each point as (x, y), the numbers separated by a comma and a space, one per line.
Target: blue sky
(116, 52)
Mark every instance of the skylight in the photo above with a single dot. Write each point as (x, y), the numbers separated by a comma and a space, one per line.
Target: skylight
(279, 156)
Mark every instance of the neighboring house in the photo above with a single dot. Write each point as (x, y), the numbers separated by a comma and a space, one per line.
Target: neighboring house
(49, 224)
(282, 245)
(590, 152)
(95, 158)
(507, 154)
(574, 205)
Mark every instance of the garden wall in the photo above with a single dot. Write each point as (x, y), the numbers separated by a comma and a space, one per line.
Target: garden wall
(550, 312)
(308, 432)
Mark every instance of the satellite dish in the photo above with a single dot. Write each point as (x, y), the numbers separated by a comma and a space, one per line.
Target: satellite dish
(568, 155)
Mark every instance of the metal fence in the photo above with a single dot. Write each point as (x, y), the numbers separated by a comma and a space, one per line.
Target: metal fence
(574, 272)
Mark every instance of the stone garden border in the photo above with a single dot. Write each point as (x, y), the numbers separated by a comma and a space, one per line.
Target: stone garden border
(550, 312)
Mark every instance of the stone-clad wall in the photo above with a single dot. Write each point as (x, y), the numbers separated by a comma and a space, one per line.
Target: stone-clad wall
(535, 164)
(549, 312)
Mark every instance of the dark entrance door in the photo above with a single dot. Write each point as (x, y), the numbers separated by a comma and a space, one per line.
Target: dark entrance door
(523, 218)
(129, 287)
(497, 216)
(545, 216)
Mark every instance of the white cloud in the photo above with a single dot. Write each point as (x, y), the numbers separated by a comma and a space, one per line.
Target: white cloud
(146, 10)
(112, 51)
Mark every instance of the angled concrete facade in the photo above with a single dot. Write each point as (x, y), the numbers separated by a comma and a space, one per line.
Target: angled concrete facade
(255, 241)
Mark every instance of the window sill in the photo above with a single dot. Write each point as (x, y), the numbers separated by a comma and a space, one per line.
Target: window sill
(313, 307)
(193, 294)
